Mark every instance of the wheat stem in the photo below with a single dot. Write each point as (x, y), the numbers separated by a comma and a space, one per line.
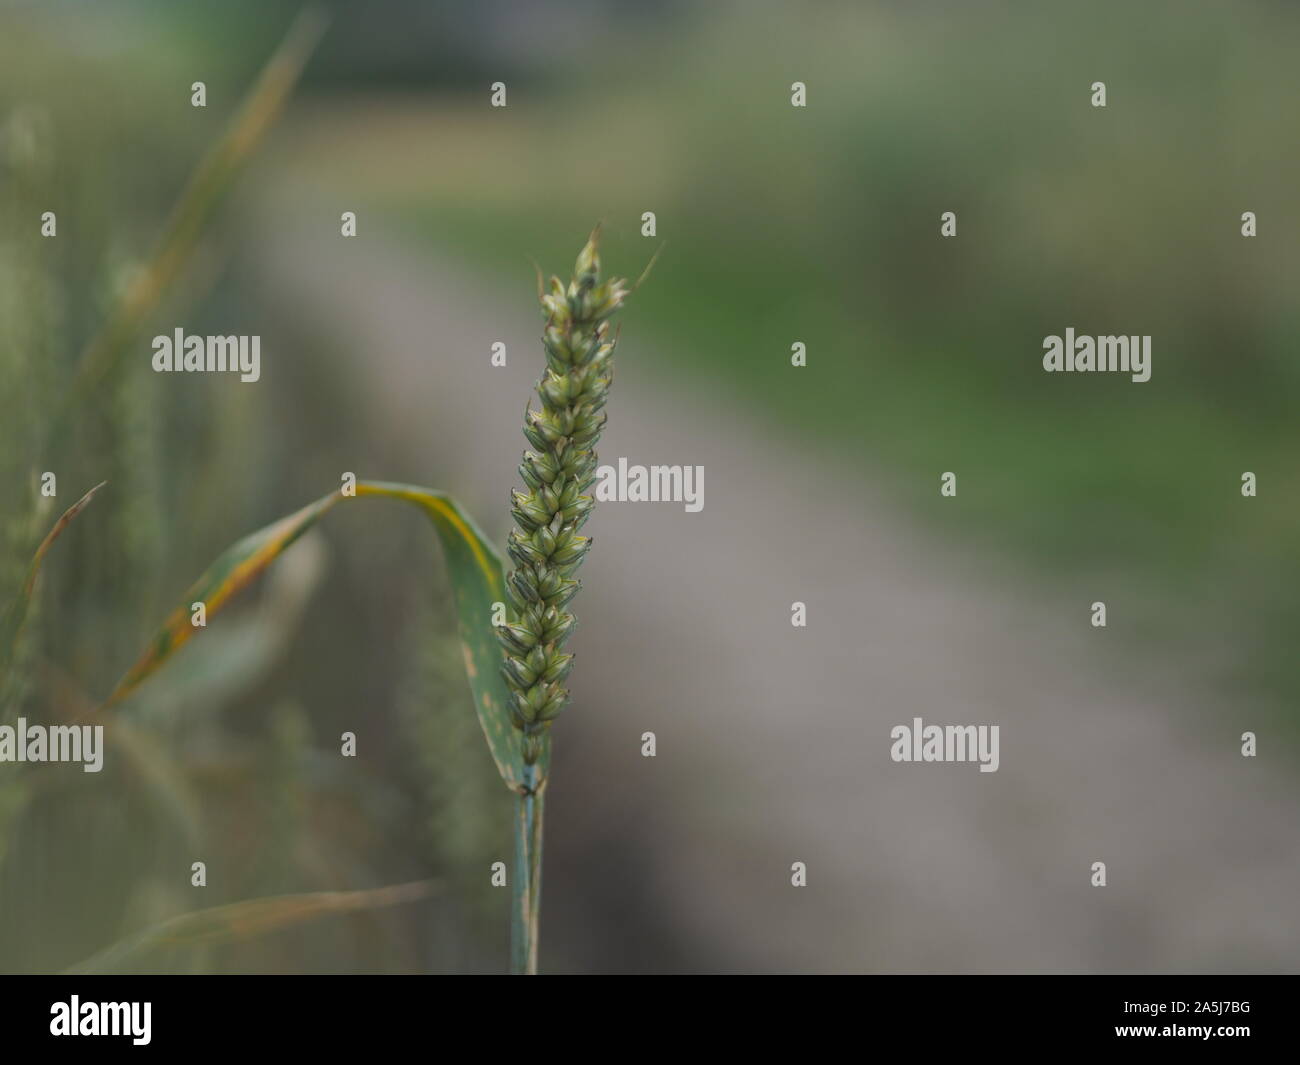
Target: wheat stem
(527, 890)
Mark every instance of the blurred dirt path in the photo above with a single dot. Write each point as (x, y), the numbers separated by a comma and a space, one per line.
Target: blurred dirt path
(773, 742)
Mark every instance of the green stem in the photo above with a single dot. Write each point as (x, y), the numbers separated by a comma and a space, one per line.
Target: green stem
(526, 896)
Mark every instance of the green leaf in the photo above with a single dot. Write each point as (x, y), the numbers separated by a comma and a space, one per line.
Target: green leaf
(477, 582)
(11, 624)
(245, 920)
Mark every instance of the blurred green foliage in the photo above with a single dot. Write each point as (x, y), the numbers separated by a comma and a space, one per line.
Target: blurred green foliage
(822, 225)
(232, 757)
(819, 225)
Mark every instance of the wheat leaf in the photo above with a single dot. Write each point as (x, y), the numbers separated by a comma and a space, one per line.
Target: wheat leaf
(245, 920)
(477, 583)
(236, 568)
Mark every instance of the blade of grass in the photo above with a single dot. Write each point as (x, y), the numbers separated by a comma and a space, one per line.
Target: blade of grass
(246, 920)
(208, 183)
(15, 616)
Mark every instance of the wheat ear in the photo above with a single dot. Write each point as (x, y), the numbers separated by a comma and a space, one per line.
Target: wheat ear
(558, 472)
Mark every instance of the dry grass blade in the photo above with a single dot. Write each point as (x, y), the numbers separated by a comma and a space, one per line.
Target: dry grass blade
(247, 920)
(263, 104)
(11, 625)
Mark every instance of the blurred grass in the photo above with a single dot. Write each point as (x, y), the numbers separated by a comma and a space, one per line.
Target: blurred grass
(96, 124)
(924, 354)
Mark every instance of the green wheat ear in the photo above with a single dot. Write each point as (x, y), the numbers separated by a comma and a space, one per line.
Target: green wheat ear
(544, 545)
